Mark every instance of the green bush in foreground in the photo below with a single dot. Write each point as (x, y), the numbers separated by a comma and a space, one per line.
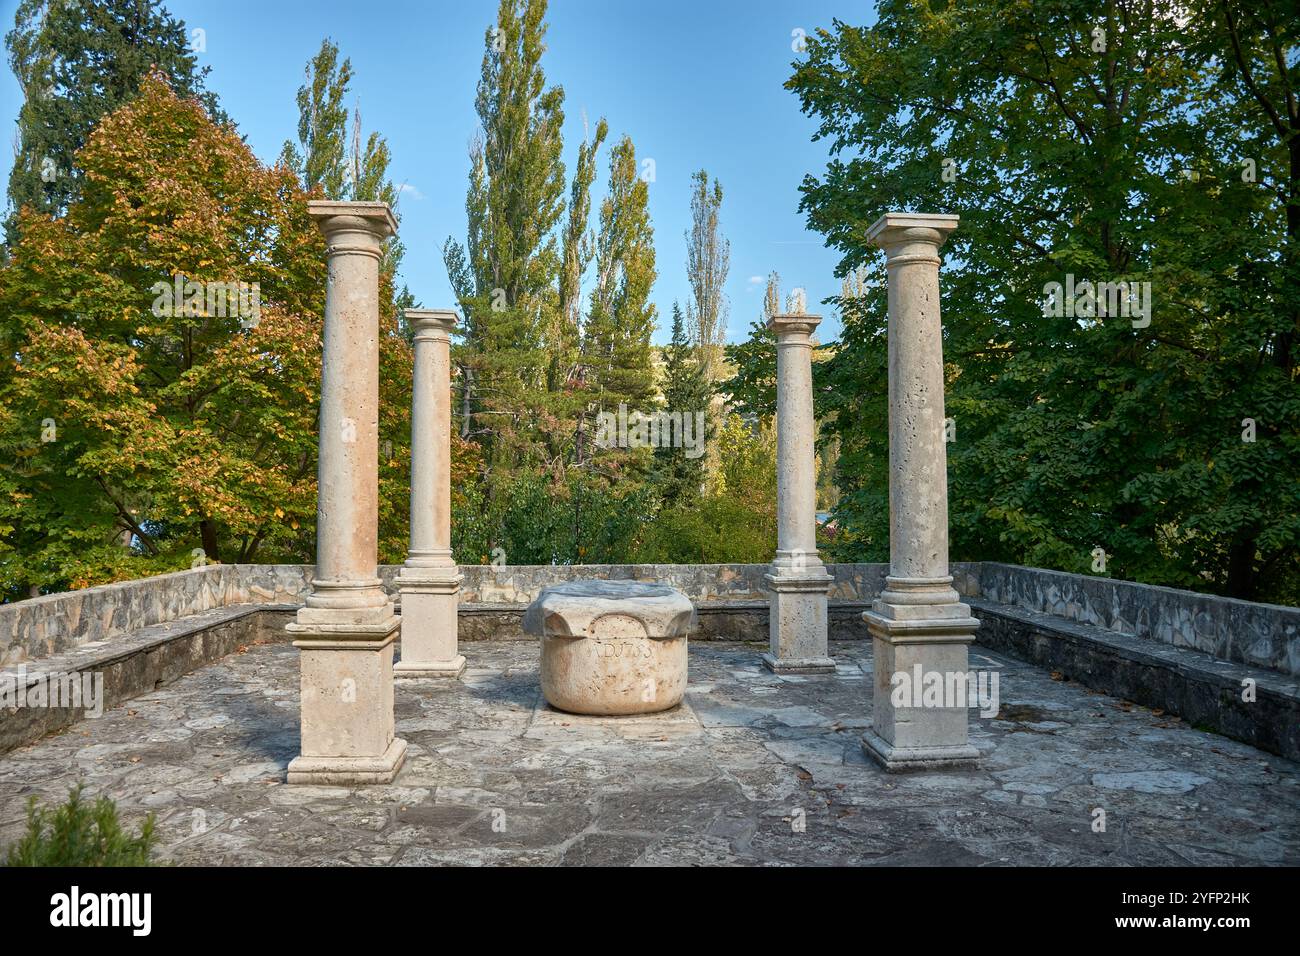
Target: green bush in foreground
(78, 833)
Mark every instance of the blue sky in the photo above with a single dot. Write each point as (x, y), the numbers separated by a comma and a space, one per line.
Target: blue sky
(695, 84)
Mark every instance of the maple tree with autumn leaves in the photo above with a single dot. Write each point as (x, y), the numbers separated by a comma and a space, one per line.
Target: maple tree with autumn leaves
(143, 443)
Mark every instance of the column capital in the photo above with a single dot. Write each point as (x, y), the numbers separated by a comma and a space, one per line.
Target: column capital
(895, 232)
(793, 326)
(353, 227)
(433, 323)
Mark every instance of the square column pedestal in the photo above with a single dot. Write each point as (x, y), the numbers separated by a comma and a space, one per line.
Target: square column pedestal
(348, 733)
(429, 628)
(926, 645)
(797, 625)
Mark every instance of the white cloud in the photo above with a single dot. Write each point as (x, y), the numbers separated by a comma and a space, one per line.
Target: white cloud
(406, 189)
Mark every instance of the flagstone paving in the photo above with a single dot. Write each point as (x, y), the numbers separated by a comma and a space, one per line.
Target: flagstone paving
(752, 769)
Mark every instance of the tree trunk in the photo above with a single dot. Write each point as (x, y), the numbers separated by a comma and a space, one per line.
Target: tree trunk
(208, 534)
(1241, 570)
(466, 399)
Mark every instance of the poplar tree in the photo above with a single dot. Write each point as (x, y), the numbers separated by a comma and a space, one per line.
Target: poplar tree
(329, 153)
(578, 250)
(617, 341)
(506, 275)
(708, 259)
(320, 157)
(567, 375)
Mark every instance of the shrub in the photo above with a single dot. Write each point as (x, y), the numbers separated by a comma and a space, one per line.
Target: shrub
(78, 833)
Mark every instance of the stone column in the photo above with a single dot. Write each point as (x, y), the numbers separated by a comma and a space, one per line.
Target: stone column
(347, 629)
(919, 627)
(430, 580)
(798, 581)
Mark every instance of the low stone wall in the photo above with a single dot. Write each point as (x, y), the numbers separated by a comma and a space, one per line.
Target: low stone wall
(520, 584)
(1206, 693)
(1259, 635)
(717, 621)
(44, 626)
(1129, 640)
(132, 665)
(55, 623)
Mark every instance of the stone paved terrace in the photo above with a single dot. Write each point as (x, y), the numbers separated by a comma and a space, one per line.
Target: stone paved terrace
(716, 782)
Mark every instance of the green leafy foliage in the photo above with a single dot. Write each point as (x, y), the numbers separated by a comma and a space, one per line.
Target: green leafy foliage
(77, 61)
(616, 335)
(734, 520)
(144, 431)
(678, 476)
(506, 274)
(1103, 141)
(79, 833)
(533, 519)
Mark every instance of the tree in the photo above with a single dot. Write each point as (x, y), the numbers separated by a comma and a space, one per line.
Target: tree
(751, 389)
(506, 275)
(735, 519)
(708, 259)
(679, 476)
(564, 340)
(320, 158)
(329, 155)
(147, 425)
(566, 377)
(621, 319)
(1086, 141)
(76, 61)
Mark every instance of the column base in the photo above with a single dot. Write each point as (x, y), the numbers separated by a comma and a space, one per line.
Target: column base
(920, 698)
(346, 770)
(902, 759)
(346, 704)
(797, 623)
(430, 602)
(798, 665)
(453, 668)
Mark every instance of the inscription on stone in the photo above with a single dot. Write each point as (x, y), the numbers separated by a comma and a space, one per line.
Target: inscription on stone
(623, 649)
